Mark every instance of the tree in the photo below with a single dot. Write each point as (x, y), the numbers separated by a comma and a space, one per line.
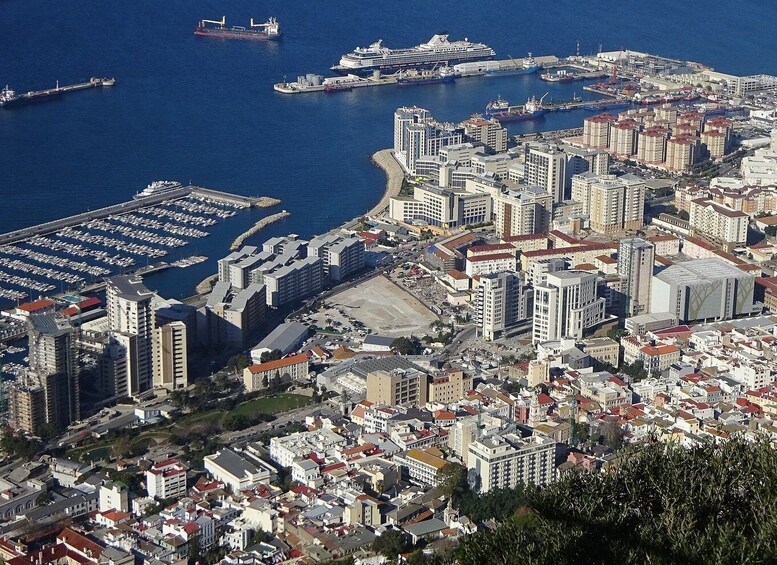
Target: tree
(684, 215)
(635, 370)
(237, 363)
(612, 434)
(273, 355)
(771, 231)
(406, 345)
(662, 503)
(452, 479)
(391, 543)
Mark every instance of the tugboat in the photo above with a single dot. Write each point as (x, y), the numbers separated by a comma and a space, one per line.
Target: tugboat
(442, 75)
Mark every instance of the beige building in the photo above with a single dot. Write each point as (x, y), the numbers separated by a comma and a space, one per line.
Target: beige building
(715, 141)
(449, 388)
(522, 212)
(623, 138)
(538, 373)
(169, 356)
(259, 376)
(488, 132)
(596, 131)
(618, 204)
(721, 224)
(603, 349)
(651, 147)
(681, 152)
(397, 387)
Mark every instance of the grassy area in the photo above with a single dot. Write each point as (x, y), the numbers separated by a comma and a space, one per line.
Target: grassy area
(272, 404)
(96, 454)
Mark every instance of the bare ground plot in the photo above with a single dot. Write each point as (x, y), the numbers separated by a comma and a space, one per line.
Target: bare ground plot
(385, 308)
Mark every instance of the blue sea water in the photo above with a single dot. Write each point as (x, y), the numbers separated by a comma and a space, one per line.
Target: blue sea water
(203, 110)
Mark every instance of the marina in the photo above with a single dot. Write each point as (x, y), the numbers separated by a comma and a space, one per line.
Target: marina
(75, 253)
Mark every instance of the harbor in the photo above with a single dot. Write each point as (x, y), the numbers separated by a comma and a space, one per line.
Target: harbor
(78, 252)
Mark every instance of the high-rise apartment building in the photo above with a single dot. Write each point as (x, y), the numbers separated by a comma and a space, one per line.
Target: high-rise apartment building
(546, 167)
(341, 256)
(509, 460)
(617, 204)
(566, 305)
(171, 369)
(131, 322)
(635, 265)
(498, 304)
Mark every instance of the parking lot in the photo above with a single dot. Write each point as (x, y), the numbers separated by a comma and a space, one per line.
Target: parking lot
(385, 308)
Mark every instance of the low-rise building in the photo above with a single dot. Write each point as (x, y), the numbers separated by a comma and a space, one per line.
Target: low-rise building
(290, 369)
(166, 479)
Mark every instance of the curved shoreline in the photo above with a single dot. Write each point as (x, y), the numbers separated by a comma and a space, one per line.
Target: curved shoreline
(394, 177)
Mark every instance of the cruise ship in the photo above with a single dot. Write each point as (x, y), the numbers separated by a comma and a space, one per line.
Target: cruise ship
(365, 60)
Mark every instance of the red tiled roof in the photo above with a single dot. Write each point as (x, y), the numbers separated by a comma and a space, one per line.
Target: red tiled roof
(492, 257)
(36, 305)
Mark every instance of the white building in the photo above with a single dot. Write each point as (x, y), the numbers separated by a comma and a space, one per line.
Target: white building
(441, 207)
(416, 135)
(566, 305)
(131, 322)
(546, 167)
(166, 479)
(499, 303)
(342, 256)
(235, 470)
(114, 495)
(702, 289)
(509, 460)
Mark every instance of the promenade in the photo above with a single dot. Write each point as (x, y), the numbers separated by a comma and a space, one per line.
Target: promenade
(394, 177)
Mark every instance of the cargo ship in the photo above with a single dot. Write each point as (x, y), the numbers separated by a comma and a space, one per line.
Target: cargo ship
(9, 98)
(503, 112)
(365, 60)
(442, 75)
(268, 31)
(528, 66)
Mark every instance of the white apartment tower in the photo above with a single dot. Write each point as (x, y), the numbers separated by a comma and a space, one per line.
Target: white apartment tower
(509, 460)
(499, 301)
(566, 305)
(546, 167)
(131, 322)
(635, 265)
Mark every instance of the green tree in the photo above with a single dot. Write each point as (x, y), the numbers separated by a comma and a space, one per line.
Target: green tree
(391, 543)
(237, 363)
(771, 231)
(684, 215)
(711, 503)
(406, 345)
(452, 479)
(273, 355)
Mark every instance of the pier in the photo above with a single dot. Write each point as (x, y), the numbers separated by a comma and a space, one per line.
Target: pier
(264, 222)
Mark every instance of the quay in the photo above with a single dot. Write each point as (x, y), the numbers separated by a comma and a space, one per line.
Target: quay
(238, 243)
(125, 207)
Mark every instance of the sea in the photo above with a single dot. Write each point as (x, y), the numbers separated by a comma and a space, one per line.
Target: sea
(203, 110)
